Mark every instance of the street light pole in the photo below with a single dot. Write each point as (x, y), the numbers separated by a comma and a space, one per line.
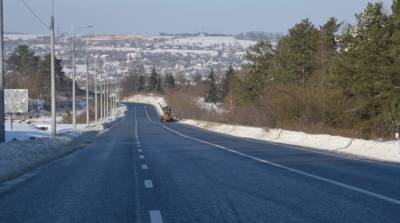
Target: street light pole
(95, 98)
(87, 91)
(73, 82)
(107, 96)
(74, 74)
(2, 124)
(53, 81)
(101, 97)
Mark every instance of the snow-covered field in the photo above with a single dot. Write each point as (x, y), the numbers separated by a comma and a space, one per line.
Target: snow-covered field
(208, 41)
(23, 36)
(385, 151)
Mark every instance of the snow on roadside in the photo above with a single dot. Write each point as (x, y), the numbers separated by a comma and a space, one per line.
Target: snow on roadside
(384, 151)
(357, 147)
(21, 156)
(18, 157)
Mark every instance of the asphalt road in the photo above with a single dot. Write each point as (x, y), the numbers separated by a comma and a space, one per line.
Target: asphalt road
(142, 171)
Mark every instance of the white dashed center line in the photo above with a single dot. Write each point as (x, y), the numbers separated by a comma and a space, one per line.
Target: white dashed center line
(141, 157)
(148, 184)
(140, 150)
(145, 167)
(155, 216)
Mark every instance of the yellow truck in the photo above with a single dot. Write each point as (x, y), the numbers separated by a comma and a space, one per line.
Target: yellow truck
(167, 115)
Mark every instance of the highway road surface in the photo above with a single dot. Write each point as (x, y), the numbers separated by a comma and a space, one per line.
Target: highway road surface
(143, 171)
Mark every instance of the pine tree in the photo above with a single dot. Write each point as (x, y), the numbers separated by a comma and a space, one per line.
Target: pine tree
(169, 81)
(328, 47)
(153, 80)
(159, 85)
(23, 66)
(226, 82)
(297, 53)
(260, 70)
(212, 89)
(141, 83)
(364, 68)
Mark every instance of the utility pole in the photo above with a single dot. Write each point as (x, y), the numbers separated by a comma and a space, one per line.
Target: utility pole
(87, 91)
(101, 97)
(74, 73)
(114, 93)
(73, 82)
(113, 100)
(107, 96)
(2, 124)
(95, 98)
(53, 79)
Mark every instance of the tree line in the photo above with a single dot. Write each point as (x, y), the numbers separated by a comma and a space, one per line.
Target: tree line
(137, 82)
(316, 77)
(26, 70)
(333, 78)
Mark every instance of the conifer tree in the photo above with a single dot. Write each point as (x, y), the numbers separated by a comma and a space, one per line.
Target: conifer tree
(169, 81)
(153, 80)
(141, 83)
(212, 89)
(226, 82)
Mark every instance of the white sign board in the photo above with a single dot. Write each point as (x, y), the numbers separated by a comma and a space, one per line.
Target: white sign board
(16, 100)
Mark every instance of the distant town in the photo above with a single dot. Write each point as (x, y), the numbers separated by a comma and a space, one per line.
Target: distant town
(182, 55)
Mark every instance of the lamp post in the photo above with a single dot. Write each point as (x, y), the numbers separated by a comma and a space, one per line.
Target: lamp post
(101, 98)
(87, 93)
(2, 124)
(74, 73)
(95, 98)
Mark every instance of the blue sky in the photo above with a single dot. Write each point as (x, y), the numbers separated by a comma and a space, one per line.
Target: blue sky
(147, 17)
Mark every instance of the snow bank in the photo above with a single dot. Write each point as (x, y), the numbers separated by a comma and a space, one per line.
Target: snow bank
(21, 156)
(18, 157)
(357, 147)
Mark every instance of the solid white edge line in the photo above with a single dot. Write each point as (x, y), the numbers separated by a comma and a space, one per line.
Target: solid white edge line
(148, 184)
(155, 216)
(343, 185)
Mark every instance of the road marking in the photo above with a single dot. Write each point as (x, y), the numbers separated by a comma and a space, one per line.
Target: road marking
(310, 175)
(139, 145)
(141, 157)
(148, 184)
(147, 113)
(140, 150)
(145, 167)
(136, 125)
(155, 216)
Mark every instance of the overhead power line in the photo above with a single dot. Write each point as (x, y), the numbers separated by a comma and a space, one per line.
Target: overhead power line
(34, 14)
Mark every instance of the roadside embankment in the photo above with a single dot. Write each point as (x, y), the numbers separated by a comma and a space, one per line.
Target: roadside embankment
(356, 147)
(368, 149)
